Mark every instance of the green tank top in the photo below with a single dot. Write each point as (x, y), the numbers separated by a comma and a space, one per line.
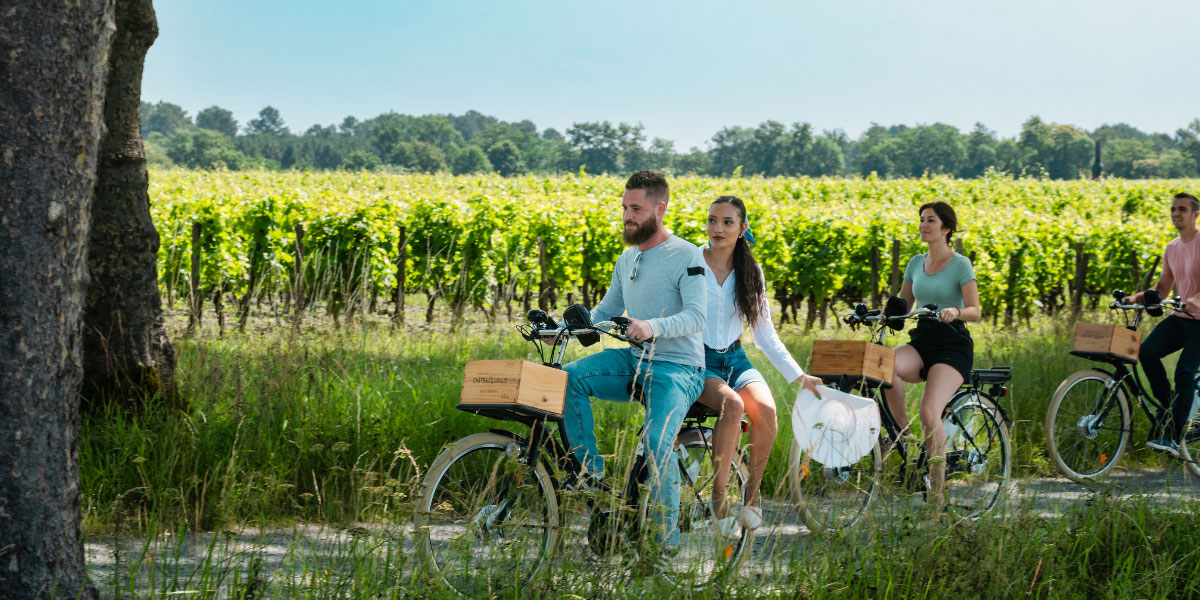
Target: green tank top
(943, 288)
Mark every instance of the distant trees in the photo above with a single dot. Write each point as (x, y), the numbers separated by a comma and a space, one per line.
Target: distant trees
(476, 143)
(217, 119)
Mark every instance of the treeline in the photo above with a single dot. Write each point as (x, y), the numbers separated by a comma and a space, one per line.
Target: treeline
(477, 143)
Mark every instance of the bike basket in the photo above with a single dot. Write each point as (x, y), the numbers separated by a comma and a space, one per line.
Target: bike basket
(1111, 341)
(513, 384)
(837, 358)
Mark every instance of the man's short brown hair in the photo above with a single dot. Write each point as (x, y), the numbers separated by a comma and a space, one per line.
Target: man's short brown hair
(653, 182)
(1195, 203)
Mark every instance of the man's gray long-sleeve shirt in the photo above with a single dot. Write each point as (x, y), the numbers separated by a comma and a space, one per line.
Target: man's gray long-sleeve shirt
(668, 293)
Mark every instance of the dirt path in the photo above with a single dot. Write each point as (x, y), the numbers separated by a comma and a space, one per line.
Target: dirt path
(210, 561)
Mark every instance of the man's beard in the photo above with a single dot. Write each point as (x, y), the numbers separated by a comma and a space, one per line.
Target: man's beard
(645, 230)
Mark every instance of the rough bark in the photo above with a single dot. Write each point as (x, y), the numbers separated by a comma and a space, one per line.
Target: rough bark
(126, 352)
(52, 83)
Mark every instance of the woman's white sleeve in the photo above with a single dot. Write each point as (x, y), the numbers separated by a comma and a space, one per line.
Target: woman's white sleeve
(768, 341)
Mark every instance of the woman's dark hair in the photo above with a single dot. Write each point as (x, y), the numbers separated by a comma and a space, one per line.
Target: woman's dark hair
(945, 213)
(748, 285)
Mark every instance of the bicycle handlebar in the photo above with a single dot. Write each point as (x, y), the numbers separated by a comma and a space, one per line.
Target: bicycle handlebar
(876, 316)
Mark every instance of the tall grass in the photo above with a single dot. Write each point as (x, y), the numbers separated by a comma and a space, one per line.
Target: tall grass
(338, 424)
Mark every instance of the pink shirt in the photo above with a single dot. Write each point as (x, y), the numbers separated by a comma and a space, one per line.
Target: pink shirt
(1181, 260)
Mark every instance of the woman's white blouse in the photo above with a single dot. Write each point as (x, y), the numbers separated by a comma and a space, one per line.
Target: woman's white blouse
(724, 326)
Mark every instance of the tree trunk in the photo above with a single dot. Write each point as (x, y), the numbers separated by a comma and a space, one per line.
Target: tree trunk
(53, 59)
(126, 352)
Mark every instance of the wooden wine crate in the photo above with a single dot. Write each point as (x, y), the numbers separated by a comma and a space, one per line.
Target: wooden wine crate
(514, 383)
(835, 358)
(1113, 340)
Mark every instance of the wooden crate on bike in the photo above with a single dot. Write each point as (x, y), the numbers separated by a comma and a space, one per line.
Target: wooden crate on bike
(835, 358)
(1107, 339)
(514, 383)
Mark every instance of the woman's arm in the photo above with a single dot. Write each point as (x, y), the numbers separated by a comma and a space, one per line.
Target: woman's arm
(970, 310)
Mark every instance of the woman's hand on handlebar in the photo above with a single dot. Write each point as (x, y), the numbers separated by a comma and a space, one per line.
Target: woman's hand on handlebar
(811, 383)
(949, 314)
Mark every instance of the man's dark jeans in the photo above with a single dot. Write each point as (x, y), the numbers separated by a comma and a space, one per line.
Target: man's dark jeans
(1172, 334)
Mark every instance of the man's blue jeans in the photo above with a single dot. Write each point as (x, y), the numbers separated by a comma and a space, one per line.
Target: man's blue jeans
(669, 390)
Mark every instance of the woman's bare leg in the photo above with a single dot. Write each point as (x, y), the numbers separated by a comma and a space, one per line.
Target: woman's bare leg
(717, 395)
(760, 407)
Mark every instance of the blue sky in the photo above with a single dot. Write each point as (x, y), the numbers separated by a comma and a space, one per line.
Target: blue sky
(685, 69)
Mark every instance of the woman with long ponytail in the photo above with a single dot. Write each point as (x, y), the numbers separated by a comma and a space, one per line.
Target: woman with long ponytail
(737, 296)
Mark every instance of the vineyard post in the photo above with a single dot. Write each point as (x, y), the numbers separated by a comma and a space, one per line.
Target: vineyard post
(195, 301)
(1081, 261)
(298, 286)
(219, 304)
(1137, 273)
(585, 272)
(544, 280)
(958, 246)
(401, 259)
(255, 265)
(1150, 274)
(874, 276)
(1014, 267)
(894, 279)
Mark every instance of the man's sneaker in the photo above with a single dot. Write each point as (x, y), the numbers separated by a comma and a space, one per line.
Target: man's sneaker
(583, 482)
(1164, 445)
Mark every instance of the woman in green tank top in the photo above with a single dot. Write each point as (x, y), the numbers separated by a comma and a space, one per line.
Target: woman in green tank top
(940, 353)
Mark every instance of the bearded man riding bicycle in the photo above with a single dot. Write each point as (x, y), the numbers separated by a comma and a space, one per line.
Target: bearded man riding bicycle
(659, 283)
(1179, 331)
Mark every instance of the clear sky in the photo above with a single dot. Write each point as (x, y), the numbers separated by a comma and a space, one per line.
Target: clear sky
(685, 69)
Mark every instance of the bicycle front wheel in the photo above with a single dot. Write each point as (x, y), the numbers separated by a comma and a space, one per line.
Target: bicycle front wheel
(1087, 425)
(833, 498)
(1189, 446)
(484, 521)
(978, 455)
(704, 555)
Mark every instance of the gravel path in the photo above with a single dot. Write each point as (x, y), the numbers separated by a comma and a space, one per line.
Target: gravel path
(209, 561)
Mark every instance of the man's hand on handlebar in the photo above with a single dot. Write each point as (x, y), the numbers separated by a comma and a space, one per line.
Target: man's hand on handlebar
(810, 382)
(1192, 305)
(638, 330)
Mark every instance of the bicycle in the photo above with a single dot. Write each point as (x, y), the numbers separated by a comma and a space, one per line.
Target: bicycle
(488, 513)
(978, 451)
(1084, 437)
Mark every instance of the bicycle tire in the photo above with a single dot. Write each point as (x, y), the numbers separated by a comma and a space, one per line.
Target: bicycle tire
(834, 499)
(460, 540)
(1077, 439)
(978, 454)
(704, 555)
(1189, 443)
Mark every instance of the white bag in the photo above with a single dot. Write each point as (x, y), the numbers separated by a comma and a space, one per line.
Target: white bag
(837, 429)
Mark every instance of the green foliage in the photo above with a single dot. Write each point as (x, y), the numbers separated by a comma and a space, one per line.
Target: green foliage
(217, 119)
(361, 161)
(269, 122)
(471, 159)
(506, 158)
(205, 149)
(164, 118)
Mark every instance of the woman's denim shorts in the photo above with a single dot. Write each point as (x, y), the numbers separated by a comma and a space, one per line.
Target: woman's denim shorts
(731, 367)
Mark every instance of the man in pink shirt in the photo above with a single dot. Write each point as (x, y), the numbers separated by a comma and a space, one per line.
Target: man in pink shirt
(1179, 331)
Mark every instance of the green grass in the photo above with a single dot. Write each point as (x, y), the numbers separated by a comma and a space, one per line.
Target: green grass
(338, 425)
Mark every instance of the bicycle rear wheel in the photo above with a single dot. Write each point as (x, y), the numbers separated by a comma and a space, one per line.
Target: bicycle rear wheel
(1087, 425)
(978, 454)
(704, 555)
(485, 521)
